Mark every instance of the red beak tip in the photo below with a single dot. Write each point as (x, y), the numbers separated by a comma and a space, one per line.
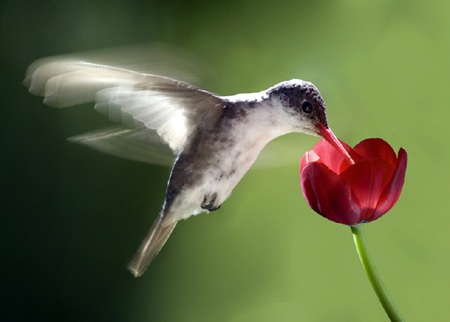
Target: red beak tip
(329, 136)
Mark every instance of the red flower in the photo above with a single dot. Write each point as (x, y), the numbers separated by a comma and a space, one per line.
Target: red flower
(352, 193)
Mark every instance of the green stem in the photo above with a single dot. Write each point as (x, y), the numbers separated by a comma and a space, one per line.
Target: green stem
(372, 274)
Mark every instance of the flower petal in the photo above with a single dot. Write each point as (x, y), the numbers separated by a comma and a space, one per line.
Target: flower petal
(328, 195)
(329, 156)
(376, 149)
(309, 156)
(368, 179)
(392, 191)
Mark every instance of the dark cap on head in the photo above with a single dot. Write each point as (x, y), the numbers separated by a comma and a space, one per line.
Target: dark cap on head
(303, 97)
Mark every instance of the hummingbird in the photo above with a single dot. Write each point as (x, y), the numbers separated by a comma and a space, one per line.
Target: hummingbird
(215, 139)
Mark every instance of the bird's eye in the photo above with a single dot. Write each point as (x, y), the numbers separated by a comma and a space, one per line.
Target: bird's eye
(307, 107)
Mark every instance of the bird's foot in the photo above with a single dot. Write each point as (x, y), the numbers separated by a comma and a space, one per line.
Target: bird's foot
(209, 202)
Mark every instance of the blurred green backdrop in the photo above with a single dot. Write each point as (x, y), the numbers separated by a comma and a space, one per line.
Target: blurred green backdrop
(71, 218)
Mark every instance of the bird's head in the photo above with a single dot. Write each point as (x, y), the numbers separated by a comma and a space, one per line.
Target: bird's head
(305, 106)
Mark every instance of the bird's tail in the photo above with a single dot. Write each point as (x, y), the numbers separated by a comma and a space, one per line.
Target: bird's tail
(151, 245)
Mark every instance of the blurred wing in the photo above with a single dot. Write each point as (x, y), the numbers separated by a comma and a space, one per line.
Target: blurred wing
(138, 145)
(138, 101)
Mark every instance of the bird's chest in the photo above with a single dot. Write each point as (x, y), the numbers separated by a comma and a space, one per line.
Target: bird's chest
(222, 159)
(209, 169)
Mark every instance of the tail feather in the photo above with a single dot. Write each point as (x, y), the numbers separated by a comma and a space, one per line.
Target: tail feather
(150, 246)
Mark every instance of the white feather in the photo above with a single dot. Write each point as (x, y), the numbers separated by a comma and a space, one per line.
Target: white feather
(139, 101)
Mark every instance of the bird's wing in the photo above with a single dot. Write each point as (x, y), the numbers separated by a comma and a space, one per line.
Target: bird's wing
(136, 100)
(138, 145)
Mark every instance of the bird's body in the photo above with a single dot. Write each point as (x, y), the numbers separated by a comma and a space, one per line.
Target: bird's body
(215, 139)
(220, 152)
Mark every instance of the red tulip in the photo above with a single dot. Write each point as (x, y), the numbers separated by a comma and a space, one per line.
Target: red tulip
(352, 193)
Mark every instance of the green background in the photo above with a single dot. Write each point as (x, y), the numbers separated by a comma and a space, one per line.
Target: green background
(71, 217)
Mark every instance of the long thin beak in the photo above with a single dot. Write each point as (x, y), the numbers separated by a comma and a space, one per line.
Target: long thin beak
(328, 135)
